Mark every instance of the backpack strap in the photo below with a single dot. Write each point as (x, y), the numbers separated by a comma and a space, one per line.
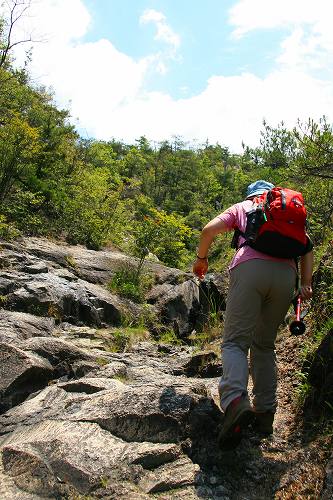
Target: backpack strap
(238, 233)
(235, 239)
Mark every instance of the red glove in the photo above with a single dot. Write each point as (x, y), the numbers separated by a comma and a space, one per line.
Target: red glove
(200, 267)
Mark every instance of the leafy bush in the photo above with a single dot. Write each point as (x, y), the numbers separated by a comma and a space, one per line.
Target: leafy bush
(130, 283)
(25, 209)
(7, 230)
(165, 235)
(123, 338)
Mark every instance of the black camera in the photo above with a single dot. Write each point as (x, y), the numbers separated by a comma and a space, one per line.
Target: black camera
(255, 219)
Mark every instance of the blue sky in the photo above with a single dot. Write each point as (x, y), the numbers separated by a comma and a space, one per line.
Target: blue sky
(202, 27)
(203, 70)
(207, 47)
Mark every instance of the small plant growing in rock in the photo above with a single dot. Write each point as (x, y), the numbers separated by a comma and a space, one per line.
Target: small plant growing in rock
(169, 337)
(104, 481)
(3, 300)
(70, 261)
(101, 361)
(131, 283)
(123, 338)
(53, 311)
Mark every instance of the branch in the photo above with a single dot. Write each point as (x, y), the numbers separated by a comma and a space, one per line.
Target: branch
(13, 18)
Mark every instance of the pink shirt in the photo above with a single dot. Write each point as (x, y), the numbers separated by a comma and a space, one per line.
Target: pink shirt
(234, 217)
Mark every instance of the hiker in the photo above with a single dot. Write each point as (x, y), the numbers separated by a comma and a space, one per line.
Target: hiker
(260, 292)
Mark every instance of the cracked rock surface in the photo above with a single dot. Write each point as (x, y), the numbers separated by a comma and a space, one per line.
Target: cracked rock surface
(79, 421)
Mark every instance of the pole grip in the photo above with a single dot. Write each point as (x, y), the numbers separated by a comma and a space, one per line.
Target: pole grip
(298, 308)
(297, 327)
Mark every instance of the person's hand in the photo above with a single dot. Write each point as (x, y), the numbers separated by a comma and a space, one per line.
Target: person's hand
(200, 267)
(306, 292)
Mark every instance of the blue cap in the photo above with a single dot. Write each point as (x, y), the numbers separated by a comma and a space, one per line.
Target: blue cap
(258, 187)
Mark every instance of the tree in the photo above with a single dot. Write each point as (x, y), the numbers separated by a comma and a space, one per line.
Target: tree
(16, 9)
(277, 147)
(314, 169)
(315, 145)
(18, 146)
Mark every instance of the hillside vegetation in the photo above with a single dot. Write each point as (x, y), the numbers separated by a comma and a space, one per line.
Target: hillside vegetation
(140, 196)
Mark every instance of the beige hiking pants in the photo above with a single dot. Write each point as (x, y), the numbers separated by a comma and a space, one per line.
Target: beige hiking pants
(259, 297)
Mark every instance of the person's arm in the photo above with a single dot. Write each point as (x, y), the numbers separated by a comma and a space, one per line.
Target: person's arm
(212, 229)
(306, 275)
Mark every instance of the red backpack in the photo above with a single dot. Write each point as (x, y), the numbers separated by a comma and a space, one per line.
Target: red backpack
(276, 224)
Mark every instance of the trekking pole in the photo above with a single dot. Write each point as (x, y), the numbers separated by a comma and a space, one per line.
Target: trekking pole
(297, 327)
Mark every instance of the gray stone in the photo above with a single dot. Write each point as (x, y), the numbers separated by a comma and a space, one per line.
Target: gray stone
(148, 412)
(177, 305)
(179, 473)
(79, 454)
(78, 419)
(37, 268)
(17, 326)
(21, 374)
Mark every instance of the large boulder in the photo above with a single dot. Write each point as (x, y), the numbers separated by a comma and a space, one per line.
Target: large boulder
(320, 375)
(177, 305)
(90, 265)
(45, 457)
(122, 437)
(44, 278)
(21, 373)
(17, 326)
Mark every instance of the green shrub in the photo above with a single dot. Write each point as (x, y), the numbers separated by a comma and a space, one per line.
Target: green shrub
(121, 339)
(7, 230)
(130, 283)
(169, 337)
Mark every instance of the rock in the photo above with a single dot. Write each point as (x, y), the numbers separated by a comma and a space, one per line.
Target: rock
(72, 301)
(21, 374)
(212, 297)
(16, 326)
(320, 373)
(98, 434)
(147, 412)
(93, 266)
(201, 364)
(177, 306)
(81, 420)
(55, 350)
(9, 490)
(41, 457)
(63, 281)
(174, 475)
(66, 359)
(87, 385)
(38, 268)
(66, 274)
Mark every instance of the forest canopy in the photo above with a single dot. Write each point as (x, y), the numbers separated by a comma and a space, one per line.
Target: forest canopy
(141, 197)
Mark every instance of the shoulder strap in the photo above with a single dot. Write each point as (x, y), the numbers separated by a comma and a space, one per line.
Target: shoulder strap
(235, 239)
(238, 232)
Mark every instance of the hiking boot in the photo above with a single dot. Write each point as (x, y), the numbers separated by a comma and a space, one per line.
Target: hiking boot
(263, 422)
(238, 416)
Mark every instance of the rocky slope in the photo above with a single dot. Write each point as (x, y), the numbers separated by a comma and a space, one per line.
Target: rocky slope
(79, 421)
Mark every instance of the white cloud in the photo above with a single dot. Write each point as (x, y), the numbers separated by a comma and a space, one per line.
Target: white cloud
(248, 15)
(230, 109)
(50, 20)
(164, 32)
(310, 43)
(105, 88)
